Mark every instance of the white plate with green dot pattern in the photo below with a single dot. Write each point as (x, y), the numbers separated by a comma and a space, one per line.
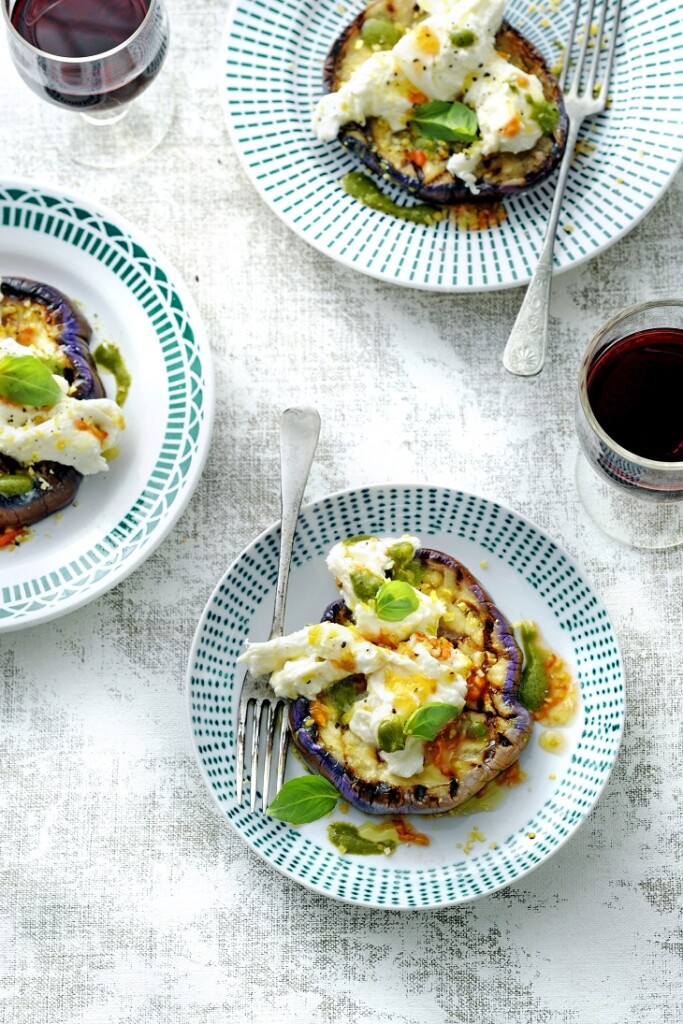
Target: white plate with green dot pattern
(627, 156)
(133, 297)
(529, 577)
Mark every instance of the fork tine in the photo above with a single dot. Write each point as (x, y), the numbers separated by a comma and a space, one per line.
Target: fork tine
(568, 47)
(256, 731)
(241, 738)
(612, 47)
(592, 74)
(270, 736)
(284, 744)
(583, 47)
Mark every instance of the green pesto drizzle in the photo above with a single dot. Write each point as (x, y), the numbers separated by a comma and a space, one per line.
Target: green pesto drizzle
(108, 356)
(364, 189)
(13, 484)
(368, 840)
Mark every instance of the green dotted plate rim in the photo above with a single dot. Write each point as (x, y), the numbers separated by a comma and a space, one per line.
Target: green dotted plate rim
(541, 562)
(158, 288)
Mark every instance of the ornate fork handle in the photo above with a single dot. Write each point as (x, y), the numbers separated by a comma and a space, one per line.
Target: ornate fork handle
(525, 351)
(298, 440)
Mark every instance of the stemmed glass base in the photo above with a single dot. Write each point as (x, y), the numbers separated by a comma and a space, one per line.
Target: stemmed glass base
(119, 137)
(636, 522)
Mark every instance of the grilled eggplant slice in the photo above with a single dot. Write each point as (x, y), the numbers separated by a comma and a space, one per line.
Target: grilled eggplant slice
(488, 737)
(38, 315)
(389, 153)
(54, 487)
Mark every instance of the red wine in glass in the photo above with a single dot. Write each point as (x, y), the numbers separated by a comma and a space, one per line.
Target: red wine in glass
(629, 421)
(77, 28)
(110, 50)
(635, 389)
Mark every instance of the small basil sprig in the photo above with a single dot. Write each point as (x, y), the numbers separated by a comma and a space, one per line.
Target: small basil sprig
(304, 799)
(27, 381)
(396, 600)
(449, 122)
(427, 722)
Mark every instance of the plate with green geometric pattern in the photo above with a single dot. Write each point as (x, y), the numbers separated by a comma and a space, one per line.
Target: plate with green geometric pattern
(273, 55)
(529, 577)
(134, 298)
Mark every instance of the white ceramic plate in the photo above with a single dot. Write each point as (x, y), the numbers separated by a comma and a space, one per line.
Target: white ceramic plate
(134, 298)
(271, 79)
(528, 576)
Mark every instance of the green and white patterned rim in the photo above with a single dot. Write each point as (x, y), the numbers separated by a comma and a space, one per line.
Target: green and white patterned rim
(271, 79)
(528, 576)
(133, 296)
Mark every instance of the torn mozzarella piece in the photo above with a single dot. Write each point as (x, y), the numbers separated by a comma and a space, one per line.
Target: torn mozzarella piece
(72, 432)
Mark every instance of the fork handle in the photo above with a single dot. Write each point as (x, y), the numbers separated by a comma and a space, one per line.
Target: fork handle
(299, 430)
(524, 353)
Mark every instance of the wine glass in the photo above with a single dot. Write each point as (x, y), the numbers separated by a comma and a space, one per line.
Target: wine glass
(629, 471)
(94, 58)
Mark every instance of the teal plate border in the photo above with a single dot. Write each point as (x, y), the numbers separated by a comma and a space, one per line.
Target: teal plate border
(119, 249)
(524, 561)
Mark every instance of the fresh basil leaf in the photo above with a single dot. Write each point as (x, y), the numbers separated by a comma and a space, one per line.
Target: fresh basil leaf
(304, 799)
(27, 381)
(452, 122)
(396, 600)
(427, 722)
(390, 734)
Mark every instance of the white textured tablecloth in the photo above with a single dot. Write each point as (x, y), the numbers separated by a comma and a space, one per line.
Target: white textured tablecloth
(125, 897)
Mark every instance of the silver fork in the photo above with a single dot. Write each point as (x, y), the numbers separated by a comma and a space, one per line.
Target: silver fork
(525, 351)
(299, 430)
